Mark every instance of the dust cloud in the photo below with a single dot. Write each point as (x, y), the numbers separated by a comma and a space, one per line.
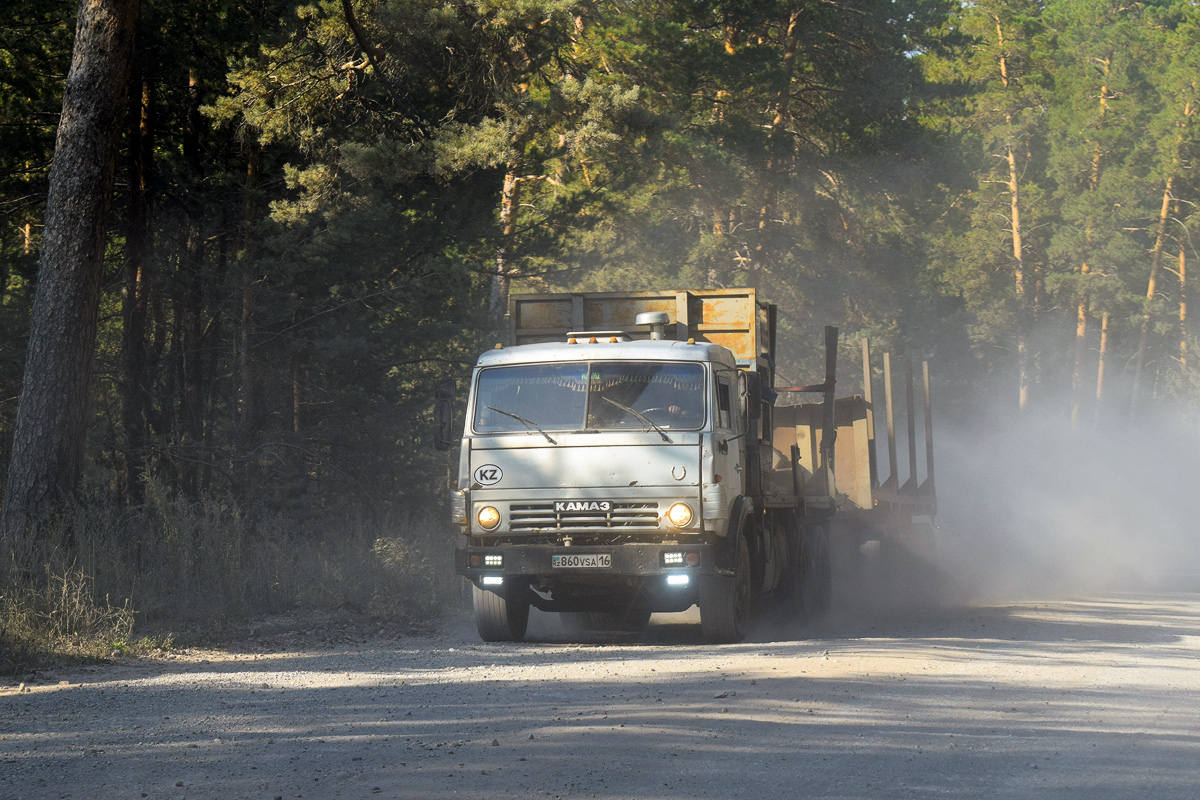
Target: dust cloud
(1037, 511)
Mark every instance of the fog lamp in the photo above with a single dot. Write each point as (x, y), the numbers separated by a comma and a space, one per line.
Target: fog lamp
(672, 559)
(493, 560)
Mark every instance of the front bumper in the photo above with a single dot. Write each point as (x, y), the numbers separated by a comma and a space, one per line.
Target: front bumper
(628, 560)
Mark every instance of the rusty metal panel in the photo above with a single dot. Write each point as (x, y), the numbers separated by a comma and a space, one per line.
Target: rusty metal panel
(852, 453)
(730, 317)
(802, 426)
(548, 319)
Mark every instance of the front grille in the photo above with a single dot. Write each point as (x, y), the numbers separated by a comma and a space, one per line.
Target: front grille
(542, 516)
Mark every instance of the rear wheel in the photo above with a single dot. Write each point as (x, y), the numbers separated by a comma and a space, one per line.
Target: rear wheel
(725, 601)
(502, 615)
(807, 590)
(823, 571)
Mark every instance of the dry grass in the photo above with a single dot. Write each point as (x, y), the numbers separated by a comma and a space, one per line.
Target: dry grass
(101, 576)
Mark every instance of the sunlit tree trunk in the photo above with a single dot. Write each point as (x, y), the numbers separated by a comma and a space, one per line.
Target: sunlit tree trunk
(510, 197)
(776, 143)
(1015, 238)
(1160, 238)
(1183, 329)
(1083, 309)
(1101, 363)
(48, 438)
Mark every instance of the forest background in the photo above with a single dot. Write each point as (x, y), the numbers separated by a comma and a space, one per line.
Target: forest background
(321, 208)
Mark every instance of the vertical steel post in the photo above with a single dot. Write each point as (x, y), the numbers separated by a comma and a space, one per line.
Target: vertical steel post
(928, 427)
(872, 459)
(828, 426)
(911, 411)
(889, 409)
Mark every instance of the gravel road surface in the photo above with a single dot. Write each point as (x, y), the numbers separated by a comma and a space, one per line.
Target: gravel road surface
(1093, 698)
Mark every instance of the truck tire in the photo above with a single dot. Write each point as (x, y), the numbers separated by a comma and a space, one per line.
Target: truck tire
(725, 601)
(823, 571)
(500, 616)
(807, 590)
(817, 579)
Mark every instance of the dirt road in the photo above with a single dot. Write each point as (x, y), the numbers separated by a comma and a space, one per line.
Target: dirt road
(1091, 699)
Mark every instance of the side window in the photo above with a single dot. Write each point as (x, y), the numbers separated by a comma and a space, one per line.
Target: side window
(724, 404)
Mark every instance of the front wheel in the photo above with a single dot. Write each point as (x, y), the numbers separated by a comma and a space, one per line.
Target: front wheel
(502, 615)
(725, 601)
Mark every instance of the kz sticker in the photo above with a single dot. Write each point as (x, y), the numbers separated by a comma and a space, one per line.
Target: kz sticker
(488, 475)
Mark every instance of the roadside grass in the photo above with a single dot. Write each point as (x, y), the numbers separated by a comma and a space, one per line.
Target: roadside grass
(105, 581)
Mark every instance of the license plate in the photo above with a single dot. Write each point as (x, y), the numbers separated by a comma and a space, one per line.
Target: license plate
(582, 561)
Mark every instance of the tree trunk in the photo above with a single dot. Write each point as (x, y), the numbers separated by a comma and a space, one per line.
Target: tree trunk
(1160, 238)
(1084, 308)
(1015, 236)
(1101, 363)
(510, 197)
(191, 412)
(775, 144)
(1082, 312)
(1183, 330)
(48, 438)
(247, 371)
(1019, 279)
(134, 400)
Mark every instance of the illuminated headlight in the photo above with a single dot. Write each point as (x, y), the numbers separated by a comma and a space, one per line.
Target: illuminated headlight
(677, 580)
(495, 580)
(493, 560)
(672, 559)
(488, 517)
(679, 515)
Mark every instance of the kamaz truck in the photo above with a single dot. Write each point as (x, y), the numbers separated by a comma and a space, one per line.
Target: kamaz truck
(624, 455)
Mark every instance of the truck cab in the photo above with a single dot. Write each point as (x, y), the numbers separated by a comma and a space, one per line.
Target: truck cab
(597, 477)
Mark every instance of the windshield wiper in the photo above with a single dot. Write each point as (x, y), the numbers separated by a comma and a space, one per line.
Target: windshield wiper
(523, 421)
(642, 417)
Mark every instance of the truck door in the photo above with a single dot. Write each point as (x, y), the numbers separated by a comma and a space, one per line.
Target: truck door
(727, 447)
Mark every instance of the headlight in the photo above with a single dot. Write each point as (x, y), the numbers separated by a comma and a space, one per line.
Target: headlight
(488, 518)
(679, 515)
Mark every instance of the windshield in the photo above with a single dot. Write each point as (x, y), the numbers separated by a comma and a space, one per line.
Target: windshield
(613, 395)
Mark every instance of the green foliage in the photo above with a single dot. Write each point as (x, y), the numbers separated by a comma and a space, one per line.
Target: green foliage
(312, 224)
(202, 565)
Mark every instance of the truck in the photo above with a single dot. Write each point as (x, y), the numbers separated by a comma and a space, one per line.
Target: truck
(624, 454)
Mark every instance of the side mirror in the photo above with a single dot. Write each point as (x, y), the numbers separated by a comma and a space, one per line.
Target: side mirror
(443, 414)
